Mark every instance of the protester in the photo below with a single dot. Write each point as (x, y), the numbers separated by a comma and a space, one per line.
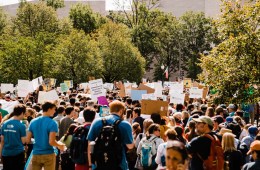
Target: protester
(13, 136)
(43, 129)
(66, 121)
(255, 152)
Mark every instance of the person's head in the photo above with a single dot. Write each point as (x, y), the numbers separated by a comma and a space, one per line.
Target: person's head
(30, 112)
(49, 108)
(136, 112)
(89, 114)
(219, 111)
(179, 107)
(231, 108)
(171, 134)
(128, 101)
(171, 121)
(117, 107)
(72, 101)
(154, 129)
(190, 108)
(61, 110)
(90, 103)
(228, 142)
(146, 124)
(7, 97)
(129, 113)
(210, 112)
(192, 125)
(19, 110)
(204, 124)
(136, 128)
(255, 150)
(156, 117)
(185, 115)
(252, 130)
(177, 116)
(176, 154)
(69, 110)
(70, 130)
(239, 120)
(37, 108)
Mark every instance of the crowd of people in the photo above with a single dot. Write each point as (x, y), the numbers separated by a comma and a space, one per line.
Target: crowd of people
(75, 134)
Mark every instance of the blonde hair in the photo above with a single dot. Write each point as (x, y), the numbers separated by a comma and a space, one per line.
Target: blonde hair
(228, 142)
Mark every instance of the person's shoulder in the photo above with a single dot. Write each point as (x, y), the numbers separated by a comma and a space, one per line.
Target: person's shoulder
(249, 166)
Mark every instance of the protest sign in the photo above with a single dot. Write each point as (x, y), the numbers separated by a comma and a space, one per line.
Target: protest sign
(137, 94)
(96, 88)
(177, 98)
(151, 106)
(176, 87)
(150, 96)
(109, 86)
(69, 83)
(158, 89)
(8, 106)
(147, 88)
(7, 87)
(37, 82)
(195, 92)
(102, 100)
(24, 87)
(187, 83)
(128, 87)
(47, 96)
(64, 87)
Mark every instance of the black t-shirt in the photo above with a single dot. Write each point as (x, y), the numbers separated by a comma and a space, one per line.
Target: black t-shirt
(234, 158)
(199, 146)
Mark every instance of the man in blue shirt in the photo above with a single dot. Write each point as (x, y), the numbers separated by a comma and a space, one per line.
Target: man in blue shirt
(12, 140)
(117, 110)
(44, 130)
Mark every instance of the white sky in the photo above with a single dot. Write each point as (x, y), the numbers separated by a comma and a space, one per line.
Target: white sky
(9, 2)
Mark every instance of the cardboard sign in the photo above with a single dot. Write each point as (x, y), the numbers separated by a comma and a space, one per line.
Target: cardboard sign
(151, 106)
(177, 98)
(7, 87)
(137, 94)
(147, 88)
(24, 88)
(96, 88)
(102, 100)
(196, 92)
(37, 82)
(150, 96)
(187, 83)
(176, 87)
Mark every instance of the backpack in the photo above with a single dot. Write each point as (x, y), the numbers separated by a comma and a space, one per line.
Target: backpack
(146, 152)
(108, 147)
(79, 145)
(215, 160)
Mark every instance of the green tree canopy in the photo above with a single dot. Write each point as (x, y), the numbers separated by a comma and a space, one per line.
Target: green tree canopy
(54, 3)
(83, 18)
(233, 67)
(3, 21)
(121, 60)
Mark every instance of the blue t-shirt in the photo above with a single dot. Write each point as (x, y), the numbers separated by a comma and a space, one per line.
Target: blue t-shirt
(13, 130)
(125, 132)
(41, 128)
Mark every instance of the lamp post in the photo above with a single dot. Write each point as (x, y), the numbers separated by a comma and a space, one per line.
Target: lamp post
(162, 67)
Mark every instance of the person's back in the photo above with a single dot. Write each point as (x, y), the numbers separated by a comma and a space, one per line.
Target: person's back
(66, 121)
(255, 152)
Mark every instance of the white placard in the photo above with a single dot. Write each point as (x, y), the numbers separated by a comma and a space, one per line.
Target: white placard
(150, 96)
(7, 87)
(8, 106)
(96, 88)
(158, 89)
(150, 85)
(176, 87)
(24, 87)
(118, 5)
(177, 98)
(195, 92)
(37, 82)
(83, 86)
(47, 96)
(109, 86)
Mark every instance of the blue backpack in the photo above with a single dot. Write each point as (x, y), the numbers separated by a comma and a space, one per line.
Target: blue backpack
(146, 152)
(79, 145)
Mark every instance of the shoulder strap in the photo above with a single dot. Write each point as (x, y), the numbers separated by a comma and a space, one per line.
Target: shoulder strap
(104, 122)
(116, 123)
(141, 136)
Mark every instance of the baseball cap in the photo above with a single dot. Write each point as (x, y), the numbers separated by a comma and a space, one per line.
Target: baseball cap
(231, 106)
(219, 119)
(7, 96)
(229, 119)
(223, 106)
(204, 119)
(255, 146)
(252, 130)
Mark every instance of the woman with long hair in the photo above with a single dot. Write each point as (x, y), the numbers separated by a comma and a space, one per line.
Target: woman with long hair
(233, 157)
(192, 133)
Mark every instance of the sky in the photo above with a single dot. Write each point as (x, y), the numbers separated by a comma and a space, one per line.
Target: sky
(9, 2)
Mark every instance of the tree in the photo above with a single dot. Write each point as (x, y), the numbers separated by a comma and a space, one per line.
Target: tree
(54, 3)
(83, 18)
(121, 60)
(35, 18)
(3, 21)
(197, 38)
(233, 66)
(77, 57)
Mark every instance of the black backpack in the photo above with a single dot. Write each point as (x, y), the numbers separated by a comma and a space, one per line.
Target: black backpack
(79, 145)
(108, 147)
